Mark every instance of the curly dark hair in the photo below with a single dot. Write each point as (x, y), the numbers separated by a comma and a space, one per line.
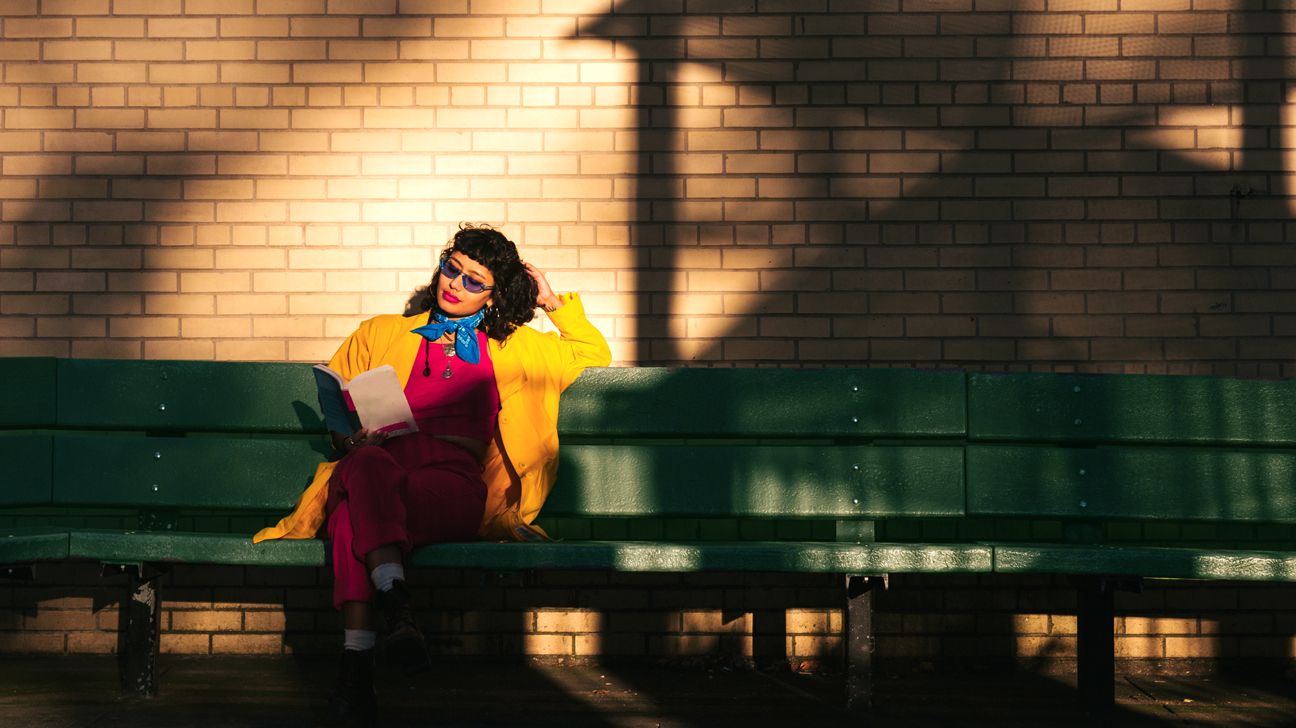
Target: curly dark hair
(514, 295)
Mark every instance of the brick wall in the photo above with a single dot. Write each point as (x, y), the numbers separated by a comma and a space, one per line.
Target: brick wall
(1055, 184)
(922, 622)
(1099, 185)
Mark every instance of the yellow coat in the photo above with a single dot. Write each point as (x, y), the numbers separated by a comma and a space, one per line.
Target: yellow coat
(531, 370)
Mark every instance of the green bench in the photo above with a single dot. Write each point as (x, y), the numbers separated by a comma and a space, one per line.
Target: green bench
(197, 455)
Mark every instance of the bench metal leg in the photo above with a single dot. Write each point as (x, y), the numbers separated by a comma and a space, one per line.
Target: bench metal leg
(137, 648)
(1096, 644)
(859, 641)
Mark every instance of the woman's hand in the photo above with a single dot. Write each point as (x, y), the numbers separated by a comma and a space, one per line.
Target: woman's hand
(545, 297)
(362, 437)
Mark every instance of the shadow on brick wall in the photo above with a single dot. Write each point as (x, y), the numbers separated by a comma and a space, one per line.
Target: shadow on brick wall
(961, 197)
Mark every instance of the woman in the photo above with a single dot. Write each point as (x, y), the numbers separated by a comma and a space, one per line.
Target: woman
(484, 391)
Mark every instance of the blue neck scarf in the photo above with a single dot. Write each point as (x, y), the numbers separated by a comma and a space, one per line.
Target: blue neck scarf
(465, 331)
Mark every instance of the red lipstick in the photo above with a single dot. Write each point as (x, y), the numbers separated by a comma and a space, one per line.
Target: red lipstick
(449, 297)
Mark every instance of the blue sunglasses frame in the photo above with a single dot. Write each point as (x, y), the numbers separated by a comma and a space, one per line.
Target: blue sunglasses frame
(470, 284)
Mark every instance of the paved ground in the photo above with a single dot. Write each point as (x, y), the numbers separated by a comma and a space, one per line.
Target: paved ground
(283, 693)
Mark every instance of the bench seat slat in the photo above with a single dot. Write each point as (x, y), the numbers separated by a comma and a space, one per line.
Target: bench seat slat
(1152, 562)
(1184, 484)
(192, 548)
(187, 396)
(674, 556)
(207, 472)
(27, 478)
(648, 402)
(27, 544)
(816, 557)
(758, 481)
(1048, 407)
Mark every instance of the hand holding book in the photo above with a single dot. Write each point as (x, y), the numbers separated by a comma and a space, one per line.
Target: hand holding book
(378, 398)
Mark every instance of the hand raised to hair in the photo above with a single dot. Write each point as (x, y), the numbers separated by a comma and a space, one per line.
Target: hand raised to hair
(545, 297)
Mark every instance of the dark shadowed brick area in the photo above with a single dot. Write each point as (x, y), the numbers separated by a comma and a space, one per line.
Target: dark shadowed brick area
(216, 692)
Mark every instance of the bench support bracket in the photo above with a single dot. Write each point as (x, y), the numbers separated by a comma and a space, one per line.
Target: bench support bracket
(1096, 644)
(859, 641)
(140, 630)
(24, 573)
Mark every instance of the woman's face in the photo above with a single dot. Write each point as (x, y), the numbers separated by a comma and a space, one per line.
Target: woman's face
(453, 296)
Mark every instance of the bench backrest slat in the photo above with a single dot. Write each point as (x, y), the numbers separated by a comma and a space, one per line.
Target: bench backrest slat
(27, 476)
(1186, 484)
(187, 396)
(1043, 407)
(169, 472)
(30, 398)
(865, 403)
(758, 481)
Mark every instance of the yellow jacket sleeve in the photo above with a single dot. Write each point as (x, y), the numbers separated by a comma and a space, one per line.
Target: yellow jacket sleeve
(532, 370)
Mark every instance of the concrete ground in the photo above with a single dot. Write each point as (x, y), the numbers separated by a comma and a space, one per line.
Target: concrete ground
(283, 693)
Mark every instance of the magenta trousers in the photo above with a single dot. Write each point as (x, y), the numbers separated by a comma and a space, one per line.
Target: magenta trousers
(409, 491)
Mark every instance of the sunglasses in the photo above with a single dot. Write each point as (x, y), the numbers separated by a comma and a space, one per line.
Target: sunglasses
(470, 284)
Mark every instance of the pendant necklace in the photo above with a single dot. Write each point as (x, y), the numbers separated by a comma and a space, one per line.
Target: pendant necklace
(449, 351)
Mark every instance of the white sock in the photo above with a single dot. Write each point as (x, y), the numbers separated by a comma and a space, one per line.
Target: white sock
(359, 639)
(384, 574)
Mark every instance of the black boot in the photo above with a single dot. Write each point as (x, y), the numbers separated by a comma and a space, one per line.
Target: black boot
(404, 643)
(353, 703)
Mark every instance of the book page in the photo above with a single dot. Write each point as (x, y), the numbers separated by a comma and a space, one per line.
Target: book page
(381, 403)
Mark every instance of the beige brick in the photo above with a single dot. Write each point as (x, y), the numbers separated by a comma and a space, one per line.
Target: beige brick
(287, 327)
(408, 27)
(178, 258)
(149, 50)
(335, 303)
(39, 118)
(547, 644)
(90, 349)
(193, 327)
(183, 304)
(178, 349)
(255, 350)
(211, 282)
(78, 50)
(468, 27)
(144, 327)
(235, 73)
(412, 50)
(32, 642)
(252, 164)
(255, 118)
(1159, 625)
(325, 27)
(71, 327)
(251, 212)
(259, 27)
(229, 304)
(568, 621)
(38, 27)
(90, 27)
(246, 644)
(217, 189)
(346, 188)
(327, 73)
(179, 211)
(184, 644)
(1196, 647)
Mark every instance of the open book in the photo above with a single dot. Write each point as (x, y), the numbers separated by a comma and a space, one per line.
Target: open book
(379, 401)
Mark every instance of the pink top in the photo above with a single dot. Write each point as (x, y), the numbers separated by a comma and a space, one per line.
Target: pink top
(465, 404)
